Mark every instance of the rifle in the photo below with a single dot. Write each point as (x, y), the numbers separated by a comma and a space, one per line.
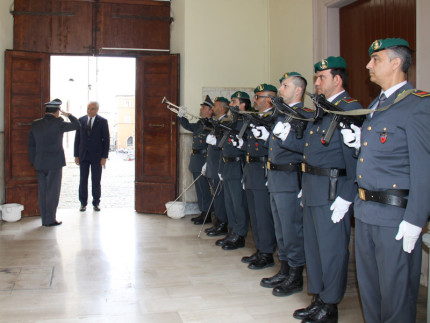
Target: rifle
(321, 103)
(293, 117)
(218, 126)
(248, 119)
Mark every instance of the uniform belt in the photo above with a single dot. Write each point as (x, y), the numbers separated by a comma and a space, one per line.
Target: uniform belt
(232, 159)
(199, 151)
(331, 172)
(390, 197)
(288, 167)
(250, 159)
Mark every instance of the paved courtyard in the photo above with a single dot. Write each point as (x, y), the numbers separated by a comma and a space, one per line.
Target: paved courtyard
(117, 184)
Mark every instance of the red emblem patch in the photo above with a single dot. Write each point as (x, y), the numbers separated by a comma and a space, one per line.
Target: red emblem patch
(383, 137)
(256, 144)
(229, 140)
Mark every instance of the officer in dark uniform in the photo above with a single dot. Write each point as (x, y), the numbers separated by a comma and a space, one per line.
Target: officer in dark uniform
(393, 176)
(284, 182)
(328, 191)
(233, 158)
(255, 186)
(213, 168)
(198, 156)
(45, 148)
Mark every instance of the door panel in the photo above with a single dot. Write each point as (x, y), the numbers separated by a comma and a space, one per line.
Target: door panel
(361, 23)
(156, 132)
(26, 89)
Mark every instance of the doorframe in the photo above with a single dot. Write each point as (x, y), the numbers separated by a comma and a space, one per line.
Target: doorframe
(327, 40)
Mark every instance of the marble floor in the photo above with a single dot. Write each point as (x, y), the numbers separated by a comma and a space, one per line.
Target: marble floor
(120, 266)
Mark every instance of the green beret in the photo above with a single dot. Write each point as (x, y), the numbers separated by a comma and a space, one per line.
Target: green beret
(289, 74)
(221, 99)
(240, 95)
(329, 63)
(381, 44)
(265, 87)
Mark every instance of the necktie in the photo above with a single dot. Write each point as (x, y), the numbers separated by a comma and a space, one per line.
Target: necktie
(89, 125)
(381, 100)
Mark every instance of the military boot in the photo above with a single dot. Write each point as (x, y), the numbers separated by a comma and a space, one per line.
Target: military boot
(306, 312)
(291, 285)
(278, 278)
(327, 313)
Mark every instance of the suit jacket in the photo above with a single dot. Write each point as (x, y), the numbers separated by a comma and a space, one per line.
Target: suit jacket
(45, 141)
(94, 146)
(395, 154)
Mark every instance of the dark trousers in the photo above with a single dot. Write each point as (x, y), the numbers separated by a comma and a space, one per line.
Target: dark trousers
(288, 220)
(388, 277)
(219, 202)
(202, 191)
(326, 251)
(96, 176)
(49, 187)
(262, 225)
(236, 206)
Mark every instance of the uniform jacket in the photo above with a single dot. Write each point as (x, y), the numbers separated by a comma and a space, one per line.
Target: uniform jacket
(335, 155)
(214, 163)
(95, 146)
(254, 174)
(45, 141)
(280, 154)
(395, 154)
(200, 132)
(232, 170)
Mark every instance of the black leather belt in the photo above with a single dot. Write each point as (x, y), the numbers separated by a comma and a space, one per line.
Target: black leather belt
(332, 173)
(390, 197)
(286, 167)
(199, 151)
(250, 159)
(232, 159)
(323, 171)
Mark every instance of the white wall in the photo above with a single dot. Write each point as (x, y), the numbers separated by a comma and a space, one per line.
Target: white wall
(6, 42)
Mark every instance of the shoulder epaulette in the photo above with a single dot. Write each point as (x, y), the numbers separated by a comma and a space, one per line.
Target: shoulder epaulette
(37, 119)
(421, 94)
(350, 100)
(307, 109)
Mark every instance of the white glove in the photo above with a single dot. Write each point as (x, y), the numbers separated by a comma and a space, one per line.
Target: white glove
(220, 177)
(351, 137)
(211, 140)
(282, 130)
(260, 132)
(237, 143)
(410, 234)
(182, 111)
(339, 208)
(204, 169)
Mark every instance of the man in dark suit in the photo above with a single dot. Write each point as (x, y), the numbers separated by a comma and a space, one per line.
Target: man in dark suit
(45, 148)
(91, 150)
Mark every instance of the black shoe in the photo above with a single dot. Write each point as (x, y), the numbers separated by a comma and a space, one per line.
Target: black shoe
(53, 224)
(196, 217)
(220, 230)
(264, 260)
(223, 241)
(327, 313)
(234, 243)
(96, 208)
(293, 284)
(83, 208)
(304, 313)
(207, 230)
(249, 259)
(201, 218)
(276, 280)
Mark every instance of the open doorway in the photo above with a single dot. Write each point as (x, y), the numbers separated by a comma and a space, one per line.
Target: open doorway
(111, 81)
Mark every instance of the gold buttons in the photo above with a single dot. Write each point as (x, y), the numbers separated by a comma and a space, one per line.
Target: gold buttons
(385, 129)
(323, 131)
(359, 176)
(271, 148)
(365, 143)
(369, 128)
(306, 144)
(361, 159)
(311, 132)
(394, 185)
(270, 158)
(304, 157)
(273, 138)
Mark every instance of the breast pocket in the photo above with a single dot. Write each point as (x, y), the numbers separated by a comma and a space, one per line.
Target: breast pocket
(383, 138)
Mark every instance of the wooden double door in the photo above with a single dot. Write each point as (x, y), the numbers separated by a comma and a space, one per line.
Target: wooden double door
(27, 87)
